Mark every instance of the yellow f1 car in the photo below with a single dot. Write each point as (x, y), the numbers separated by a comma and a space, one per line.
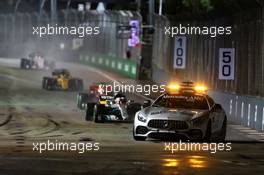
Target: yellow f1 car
(62, 80)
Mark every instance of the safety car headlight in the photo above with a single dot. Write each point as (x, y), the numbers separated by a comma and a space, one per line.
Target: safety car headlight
(142, 117)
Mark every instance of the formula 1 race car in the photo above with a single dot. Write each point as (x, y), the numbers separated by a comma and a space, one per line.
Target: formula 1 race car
(36, 61)
(62, 80)
(112, 107)
(185, 111)
(84, 97)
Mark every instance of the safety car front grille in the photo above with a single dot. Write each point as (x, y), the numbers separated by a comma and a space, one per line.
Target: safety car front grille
(168, 124)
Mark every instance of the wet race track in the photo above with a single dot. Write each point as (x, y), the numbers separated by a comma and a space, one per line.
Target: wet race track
(31, 115)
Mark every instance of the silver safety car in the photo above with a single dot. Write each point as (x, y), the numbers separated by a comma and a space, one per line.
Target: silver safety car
(185, 111)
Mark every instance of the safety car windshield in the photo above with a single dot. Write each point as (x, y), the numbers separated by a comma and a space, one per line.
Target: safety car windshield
(182, 101)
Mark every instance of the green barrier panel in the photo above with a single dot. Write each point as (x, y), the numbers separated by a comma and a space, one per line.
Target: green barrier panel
(122, 66)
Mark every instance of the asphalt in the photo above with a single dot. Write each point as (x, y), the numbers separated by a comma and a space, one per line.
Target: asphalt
(30, 115)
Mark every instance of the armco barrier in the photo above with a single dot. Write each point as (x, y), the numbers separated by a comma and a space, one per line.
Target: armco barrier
(122, 66)
(248, 111)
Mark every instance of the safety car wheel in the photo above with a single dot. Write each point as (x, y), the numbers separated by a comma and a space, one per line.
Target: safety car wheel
(208, 134)
(222, 134)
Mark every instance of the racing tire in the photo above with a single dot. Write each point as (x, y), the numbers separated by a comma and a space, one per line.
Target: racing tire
(89, 112)
(222, 134)
(208, 134)
(138, 138)
(22, 63)
(49, 83)
(72, 85)
(44, 82)
(82, 100)
(79, 84)
(97, 113)
(75, 84)
(25, 63)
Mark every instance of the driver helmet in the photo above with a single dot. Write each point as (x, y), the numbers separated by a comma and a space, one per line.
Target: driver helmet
(120, 98)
